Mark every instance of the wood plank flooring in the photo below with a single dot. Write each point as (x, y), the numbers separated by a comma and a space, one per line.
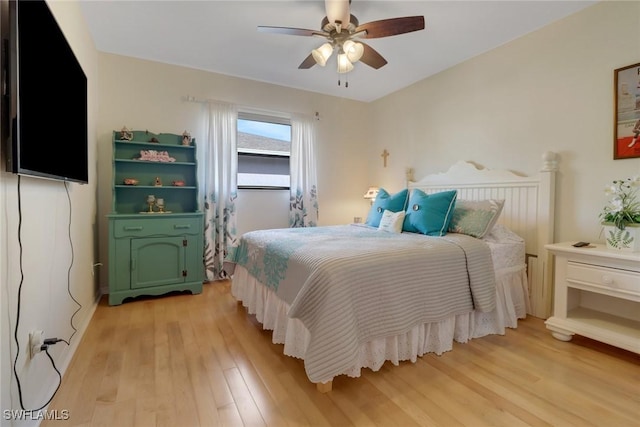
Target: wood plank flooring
(201, 360)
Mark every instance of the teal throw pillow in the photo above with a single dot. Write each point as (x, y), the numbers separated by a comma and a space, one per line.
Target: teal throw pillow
(385, 201)
(429, 214)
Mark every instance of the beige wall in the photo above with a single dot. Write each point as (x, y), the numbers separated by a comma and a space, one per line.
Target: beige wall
(142, 94)
(49, 214)
(550, 90)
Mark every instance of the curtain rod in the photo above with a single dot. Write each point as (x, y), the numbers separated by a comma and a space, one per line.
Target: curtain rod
(190, 98)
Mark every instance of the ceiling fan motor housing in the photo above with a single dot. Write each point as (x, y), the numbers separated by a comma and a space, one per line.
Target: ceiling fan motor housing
(330, 27)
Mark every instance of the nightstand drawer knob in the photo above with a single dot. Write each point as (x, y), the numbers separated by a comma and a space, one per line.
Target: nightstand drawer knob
(134, 228)
(607, 280)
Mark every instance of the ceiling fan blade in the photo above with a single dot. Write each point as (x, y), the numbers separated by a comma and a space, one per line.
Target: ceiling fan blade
(338, 10)
(372, 58)
(292, 31)
(391, 27)
(307, 63)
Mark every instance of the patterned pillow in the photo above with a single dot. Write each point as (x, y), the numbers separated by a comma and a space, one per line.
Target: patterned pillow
(475, 217)
(391, 221)
(429, 214)
(384, 200)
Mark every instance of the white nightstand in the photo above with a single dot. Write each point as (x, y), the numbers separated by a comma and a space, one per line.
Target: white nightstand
(597, 295)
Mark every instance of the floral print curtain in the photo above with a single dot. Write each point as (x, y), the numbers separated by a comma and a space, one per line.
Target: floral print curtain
(220, 188)
(303, 207)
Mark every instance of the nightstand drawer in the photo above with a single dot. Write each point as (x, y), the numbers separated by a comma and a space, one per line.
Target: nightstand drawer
(603, 277)
(156, 227)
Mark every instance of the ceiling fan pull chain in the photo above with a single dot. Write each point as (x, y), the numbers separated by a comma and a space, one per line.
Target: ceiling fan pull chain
(346, 80)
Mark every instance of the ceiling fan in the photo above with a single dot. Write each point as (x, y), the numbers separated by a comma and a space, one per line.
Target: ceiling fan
(343, 33)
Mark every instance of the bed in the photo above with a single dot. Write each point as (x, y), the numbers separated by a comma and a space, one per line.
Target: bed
(348, 297)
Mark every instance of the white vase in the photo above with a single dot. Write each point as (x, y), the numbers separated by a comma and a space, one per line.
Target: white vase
(627, 240)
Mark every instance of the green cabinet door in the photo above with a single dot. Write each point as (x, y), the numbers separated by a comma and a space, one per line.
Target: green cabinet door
(157, 261)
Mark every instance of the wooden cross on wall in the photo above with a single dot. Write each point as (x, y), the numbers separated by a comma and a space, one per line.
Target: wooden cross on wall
(384, 156)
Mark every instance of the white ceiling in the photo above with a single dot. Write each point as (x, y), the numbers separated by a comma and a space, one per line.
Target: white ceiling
(222, 37)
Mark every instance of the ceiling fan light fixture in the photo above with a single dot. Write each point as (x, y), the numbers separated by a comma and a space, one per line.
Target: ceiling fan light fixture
(344, 65)
(354, 50)
(322, 54)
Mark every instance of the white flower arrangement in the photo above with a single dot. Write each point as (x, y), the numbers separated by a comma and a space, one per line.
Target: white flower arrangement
(623, 207)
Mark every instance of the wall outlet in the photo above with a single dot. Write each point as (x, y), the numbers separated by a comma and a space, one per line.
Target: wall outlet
(36, 340)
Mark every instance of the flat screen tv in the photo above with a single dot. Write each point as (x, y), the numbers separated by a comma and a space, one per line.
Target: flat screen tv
(48, 97)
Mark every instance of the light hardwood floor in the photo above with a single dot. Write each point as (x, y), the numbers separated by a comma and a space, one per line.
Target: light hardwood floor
(201, 360)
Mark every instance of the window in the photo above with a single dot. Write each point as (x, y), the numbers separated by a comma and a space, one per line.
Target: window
(264, 147)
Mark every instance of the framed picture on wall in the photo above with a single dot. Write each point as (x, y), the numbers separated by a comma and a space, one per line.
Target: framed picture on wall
(626, 127)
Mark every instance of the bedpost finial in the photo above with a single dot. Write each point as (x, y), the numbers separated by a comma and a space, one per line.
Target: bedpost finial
(550, 161)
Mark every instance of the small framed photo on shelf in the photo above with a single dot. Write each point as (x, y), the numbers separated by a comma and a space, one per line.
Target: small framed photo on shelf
(626, 126)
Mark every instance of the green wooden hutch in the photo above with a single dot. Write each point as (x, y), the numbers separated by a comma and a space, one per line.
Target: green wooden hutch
(154, 247)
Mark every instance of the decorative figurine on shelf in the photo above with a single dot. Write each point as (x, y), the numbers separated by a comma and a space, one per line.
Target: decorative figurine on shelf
(179, 183)
(155, 156)
(160, 205)
(186, 138)
(154, 139)
(126, 134)
(158, 182)
(151, 199)
(130, 181)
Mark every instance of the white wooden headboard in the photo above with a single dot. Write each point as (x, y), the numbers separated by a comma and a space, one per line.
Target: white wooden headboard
(528, 211)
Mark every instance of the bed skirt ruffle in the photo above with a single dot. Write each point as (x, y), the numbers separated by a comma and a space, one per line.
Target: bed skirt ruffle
(512, 303)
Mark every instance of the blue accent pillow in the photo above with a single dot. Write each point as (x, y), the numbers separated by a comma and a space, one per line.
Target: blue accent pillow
(429, 214)
(384, 200)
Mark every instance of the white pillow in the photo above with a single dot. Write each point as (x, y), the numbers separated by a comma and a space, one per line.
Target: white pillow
(501, 234)
(391, 221)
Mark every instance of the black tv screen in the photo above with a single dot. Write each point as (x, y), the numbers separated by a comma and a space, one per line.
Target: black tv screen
(48, 91)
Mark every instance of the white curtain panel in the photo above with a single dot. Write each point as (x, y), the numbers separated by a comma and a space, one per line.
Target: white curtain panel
(220, 188)
(303, 207)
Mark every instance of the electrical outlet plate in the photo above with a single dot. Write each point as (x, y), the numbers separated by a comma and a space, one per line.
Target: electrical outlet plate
(36, 340)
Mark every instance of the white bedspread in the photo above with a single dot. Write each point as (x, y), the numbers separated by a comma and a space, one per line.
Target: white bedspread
(436, 337)
(351, 285)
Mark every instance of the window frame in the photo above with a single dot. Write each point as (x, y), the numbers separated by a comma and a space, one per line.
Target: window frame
(265, 118)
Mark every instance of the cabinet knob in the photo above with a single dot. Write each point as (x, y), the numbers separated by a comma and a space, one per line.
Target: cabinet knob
(182, 226)
(138, 228)
(607, 280)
